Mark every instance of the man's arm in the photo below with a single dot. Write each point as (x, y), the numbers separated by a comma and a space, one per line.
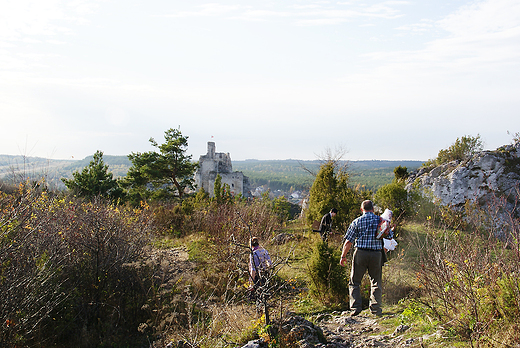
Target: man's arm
(346, 247)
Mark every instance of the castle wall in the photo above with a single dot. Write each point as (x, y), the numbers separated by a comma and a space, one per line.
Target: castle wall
(214, 163)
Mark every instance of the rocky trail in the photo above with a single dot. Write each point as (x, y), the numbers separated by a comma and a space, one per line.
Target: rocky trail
(339, 330)
(326, 330)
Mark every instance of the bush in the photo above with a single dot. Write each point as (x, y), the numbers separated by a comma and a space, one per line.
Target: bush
(469, 281)
(462, 149)
(394, 197)
(62, 270)
(328, 280)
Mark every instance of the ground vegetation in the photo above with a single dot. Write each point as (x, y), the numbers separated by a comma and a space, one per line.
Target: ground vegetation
(87, 272)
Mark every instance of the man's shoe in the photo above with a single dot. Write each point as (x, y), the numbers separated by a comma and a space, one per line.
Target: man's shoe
(354, 313)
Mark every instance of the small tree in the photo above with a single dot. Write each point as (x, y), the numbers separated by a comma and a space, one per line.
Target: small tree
(94, 180)
(217, 189)
(462, 149)
(400, 173)
(394, 196)
(328, 280)
(169, 172)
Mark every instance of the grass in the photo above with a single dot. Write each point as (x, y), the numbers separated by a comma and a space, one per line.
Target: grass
(401, 293)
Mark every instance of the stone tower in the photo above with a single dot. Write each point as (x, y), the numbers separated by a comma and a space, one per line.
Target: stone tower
(214, 163)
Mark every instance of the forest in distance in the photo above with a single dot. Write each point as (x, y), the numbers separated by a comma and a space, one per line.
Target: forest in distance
(288, 175)
(285, 175)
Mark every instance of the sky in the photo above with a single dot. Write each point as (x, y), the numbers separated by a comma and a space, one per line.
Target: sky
(285, 79)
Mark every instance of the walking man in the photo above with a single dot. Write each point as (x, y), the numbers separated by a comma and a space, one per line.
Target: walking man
(367, 257)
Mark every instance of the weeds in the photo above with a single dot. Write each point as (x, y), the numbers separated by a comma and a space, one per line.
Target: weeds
(62, 271)
(469, 280)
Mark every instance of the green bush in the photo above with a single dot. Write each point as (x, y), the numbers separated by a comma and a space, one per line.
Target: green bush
(394, 197)
(328, 280)
(463, 148)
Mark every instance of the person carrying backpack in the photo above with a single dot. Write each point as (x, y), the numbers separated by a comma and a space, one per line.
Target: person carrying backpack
(259, 263)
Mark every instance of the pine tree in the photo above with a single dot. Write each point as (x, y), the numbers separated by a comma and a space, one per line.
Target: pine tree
(163, 174)
(94, 180)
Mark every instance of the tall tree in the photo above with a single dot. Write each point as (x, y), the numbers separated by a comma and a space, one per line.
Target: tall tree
(165, 173)
(330, 190)
(94, 180)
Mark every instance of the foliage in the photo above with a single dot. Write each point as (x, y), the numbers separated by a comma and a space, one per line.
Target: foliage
(290, 175)
(328, 280)
(463, 148)
(221, 192)
(400, 173)
(330, 190)
(29, 257)
(62, 269)
(394, 197)
(515, 137)
(217, 189)
(169, 171)
(100, 289)
(282, 208)
(469, 281)
(94, 180)
(285, 175)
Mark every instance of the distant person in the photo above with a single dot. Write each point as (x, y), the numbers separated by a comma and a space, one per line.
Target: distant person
(367, 257)
(326, 224)
(259, 263)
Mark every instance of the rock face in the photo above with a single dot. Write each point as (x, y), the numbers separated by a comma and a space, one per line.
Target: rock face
(485, 176)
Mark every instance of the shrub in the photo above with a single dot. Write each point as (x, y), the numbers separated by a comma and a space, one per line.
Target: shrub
(62, 269)
(469, 281)
(462, 149)
(394, 197)
(328, 281)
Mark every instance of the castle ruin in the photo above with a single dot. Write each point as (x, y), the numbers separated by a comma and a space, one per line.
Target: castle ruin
(215, 163)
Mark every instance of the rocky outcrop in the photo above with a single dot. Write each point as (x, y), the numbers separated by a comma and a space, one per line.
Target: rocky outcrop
(486, 176)
(340, 330)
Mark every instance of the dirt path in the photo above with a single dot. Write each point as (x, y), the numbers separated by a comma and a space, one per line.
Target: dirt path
(339, 329)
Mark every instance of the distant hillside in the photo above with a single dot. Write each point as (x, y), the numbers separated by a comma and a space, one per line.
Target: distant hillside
(20, 168)
(278, 174)
(295, 174)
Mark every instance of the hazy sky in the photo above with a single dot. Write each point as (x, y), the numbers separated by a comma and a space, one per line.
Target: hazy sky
(262, 79)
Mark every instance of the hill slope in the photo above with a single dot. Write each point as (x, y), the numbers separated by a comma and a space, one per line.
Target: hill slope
(277, 174)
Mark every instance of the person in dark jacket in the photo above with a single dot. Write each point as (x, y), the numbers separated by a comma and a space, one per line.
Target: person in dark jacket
(326, 224)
